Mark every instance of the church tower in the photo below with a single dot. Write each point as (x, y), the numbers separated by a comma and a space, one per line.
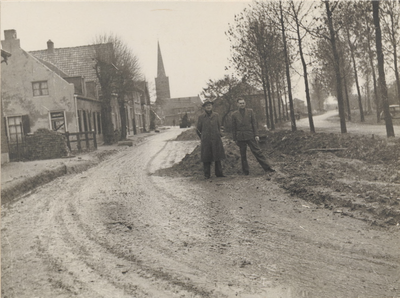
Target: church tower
(162, 81)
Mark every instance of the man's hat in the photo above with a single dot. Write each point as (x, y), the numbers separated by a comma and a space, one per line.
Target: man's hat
(207, 101)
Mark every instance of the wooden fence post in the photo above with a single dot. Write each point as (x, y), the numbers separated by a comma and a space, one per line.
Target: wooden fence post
(94, 140)
(78, 139)
(87, 140)
(68, 143)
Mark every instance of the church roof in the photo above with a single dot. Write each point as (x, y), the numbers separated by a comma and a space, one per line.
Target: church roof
(160, 64)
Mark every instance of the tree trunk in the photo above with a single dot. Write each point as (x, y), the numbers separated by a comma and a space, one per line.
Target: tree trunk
(280, 105)
(266, 102)
(305, 73)
(371, 61)
(337, 69)
(226, 115)
(381, 70)
(286, 105)
(346, 97)
(355, 76)
(271, 115)
(122, 112)
(108, 127)
(274, 99)
(285, 51)
(368, 93)
(394, 44)
(396, 71)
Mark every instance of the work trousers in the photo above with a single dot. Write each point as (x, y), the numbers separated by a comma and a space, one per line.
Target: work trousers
(255, 149)
(207, 169)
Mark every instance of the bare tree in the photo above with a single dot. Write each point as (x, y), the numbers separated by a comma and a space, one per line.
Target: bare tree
(287, 66)
(329, 13)
(381, 70)
(296, 10)
(117, 68)
(391, 30)
(351, 19)
(254, 45)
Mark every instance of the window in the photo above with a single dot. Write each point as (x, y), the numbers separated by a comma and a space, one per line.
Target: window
(57, 121)
(40, 88)
(17, 127)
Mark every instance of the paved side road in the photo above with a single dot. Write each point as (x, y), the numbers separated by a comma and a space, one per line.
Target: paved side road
(324, 123)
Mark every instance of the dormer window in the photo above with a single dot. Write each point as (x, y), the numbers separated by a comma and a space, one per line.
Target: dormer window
(40, 88)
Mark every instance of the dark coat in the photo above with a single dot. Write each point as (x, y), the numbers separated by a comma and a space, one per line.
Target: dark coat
(244, 128)
(208, 129)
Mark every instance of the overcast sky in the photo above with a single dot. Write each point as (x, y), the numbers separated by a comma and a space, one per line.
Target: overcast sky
(191, 34)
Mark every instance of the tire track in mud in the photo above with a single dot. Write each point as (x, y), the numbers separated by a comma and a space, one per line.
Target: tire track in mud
(82, 232)
(116, 229)
(67, 245)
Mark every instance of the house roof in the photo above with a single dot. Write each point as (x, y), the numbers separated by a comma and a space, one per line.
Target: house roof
(140, 85)
(53, 68)
(177, 102)
(73, 61)
(5, 55)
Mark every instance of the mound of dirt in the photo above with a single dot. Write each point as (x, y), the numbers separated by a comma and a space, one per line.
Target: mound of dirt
(374, 150)
(356, 175)
(188, 135)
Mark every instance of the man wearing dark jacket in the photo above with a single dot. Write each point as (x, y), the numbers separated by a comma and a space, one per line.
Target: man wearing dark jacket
(245, 132)
(208, 130)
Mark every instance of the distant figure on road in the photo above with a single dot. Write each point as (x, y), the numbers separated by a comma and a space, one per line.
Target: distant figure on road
(245, 132)
(208, 130)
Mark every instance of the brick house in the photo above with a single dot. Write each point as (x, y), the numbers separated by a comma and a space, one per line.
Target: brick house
(4, 145)
(173, 109)
(77, 67)
(33, 95)
(78, 64)
(138, 109)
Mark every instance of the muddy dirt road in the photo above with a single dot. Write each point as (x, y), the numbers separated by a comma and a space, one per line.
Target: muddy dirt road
(117, 230)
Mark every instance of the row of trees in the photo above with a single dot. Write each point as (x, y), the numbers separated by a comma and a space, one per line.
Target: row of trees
(117, 70)
(333, 45)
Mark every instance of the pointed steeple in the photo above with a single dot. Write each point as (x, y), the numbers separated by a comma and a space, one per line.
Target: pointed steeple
(160, 65)
(162, 81)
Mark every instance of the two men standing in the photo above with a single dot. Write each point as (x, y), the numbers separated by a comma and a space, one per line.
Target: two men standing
(245, 133)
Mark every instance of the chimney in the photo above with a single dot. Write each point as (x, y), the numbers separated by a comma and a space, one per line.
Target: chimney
(10, 40)
(50, 47)
(10, 34)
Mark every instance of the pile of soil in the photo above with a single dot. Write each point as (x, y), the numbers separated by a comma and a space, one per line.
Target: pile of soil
(354, 175)
(188, 135)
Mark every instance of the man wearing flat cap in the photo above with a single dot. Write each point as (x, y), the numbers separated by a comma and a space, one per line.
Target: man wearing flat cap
(209, 131)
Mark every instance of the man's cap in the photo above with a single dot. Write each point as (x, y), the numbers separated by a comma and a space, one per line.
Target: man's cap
(207, 101)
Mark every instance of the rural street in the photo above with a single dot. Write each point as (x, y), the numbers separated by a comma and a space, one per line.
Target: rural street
(117, 230)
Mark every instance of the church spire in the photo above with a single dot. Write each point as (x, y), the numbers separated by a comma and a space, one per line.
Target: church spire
(162, 81)
(160, 65)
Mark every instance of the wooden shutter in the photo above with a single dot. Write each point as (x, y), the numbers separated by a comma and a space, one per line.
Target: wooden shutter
(26, 124)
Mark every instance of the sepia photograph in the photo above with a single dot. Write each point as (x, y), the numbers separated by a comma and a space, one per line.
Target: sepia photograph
(230, 148)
